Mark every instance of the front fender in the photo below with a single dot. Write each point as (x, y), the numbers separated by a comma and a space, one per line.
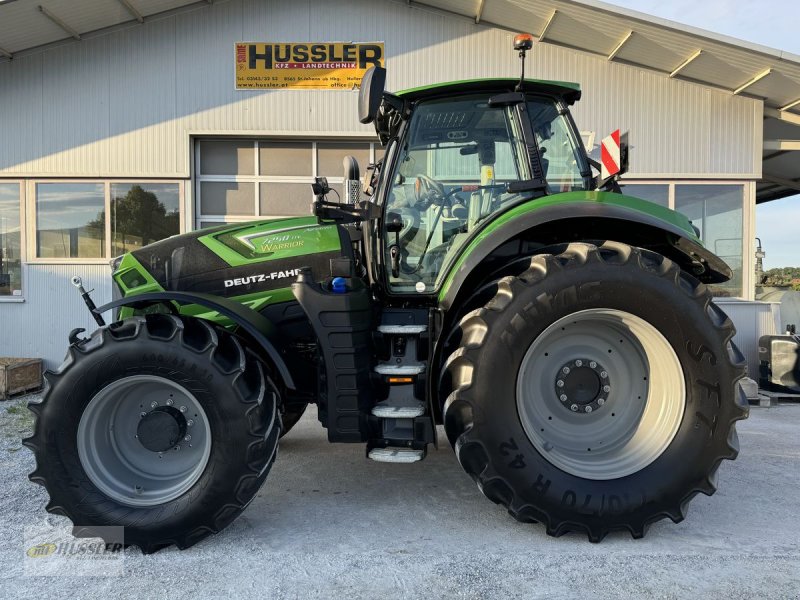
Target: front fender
(254, 323)
(589, 216)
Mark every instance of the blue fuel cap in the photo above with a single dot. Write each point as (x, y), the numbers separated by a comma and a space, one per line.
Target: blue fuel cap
(338, 285)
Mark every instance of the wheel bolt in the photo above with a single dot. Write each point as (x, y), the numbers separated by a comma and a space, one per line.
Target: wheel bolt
(600, 401)
(565, 370)
(603, 374)
(593, 364)
(169, 402)
(187, 438)
(177, 448)
(183, 409)
(153, 404)
(143, 414)
(587, 409)
(574, 407)
(578, 363)
(560, 383)
(606, 388)
(190, 422)
(563, 397)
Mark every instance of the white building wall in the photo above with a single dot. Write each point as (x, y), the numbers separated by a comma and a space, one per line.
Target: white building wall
(124, 104)
(40, 326)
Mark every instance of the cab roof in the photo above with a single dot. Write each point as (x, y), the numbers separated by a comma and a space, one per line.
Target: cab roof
(569, 92)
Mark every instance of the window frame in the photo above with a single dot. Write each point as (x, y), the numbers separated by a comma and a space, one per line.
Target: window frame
(198, 178)
(30, 223)
(23, 248)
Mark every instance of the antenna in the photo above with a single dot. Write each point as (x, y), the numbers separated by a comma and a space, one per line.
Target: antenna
(522, 42)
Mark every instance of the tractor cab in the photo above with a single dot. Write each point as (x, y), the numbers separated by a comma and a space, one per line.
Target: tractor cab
(461, 153)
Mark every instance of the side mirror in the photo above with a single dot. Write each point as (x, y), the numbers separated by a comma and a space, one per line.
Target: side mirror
(320, 187)
(370, 94)
(624, 146)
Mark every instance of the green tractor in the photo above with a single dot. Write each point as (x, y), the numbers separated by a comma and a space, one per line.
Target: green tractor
(560, 331)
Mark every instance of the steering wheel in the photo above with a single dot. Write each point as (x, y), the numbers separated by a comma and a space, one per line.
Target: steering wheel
(427, 190)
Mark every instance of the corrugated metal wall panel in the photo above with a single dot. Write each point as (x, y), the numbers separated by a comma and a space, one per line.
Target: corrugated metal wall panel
(39, 326)
(752, 320)
(142, 101)
(75, 109)
(123, 104)
(21, 86)
(675, 127)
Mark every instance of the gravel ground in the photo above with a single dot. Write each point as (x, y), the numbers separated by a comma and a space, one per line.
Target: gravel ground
(331, 524)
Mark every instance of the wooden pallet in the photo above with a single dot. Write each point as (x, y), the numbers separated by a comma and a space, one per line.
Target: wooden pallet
(19, 376)
(769, 399)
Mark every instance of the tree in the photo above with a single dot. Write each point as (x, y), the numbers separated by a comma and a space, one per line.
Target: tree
(138, 219)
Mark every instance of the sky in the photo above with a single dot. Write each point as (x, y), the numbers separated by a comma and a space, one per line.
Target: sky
(774, 23)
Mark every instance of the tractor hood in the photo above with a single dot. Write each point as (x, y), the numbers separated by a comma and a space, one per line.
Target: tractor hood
(234, 260)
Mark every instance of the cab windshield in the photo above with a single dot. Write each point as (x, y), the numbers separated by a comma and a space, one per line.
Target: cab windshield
(452, 172)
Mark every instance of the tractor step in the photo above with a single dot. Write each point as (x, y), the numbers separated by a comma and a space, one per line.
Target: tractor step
(396, 455)
(402, 425)
(402, 329)
(389, 369)
(385, 411)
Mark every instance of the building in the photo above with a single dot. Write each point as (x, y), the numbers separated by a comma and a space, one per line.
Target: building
(120, 123)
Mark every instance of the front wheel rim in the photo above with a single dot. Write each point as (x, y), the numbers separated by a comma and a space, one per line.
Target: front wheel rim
(129, 469)
(601, 393)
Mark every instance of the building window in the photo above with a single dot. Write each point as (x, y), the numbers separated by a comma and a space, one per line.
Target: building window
(238, 180)
(70, 220)
(657, 193)
(10, 241)
(718, 212)
(142, 213)
(92, 221)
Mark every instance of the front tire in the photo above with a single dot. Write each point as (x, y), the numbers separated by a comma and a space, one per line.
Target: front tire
(596, 391)
(166, 426)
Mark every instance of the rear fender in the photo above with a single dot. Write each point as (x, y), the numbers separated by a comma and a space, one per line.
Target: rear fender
(255, 324)
(582, 221)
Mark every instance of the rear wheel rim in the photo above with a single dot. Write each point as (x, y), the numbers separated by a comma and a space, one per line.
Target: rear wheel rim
(139, 472)
(601, 393)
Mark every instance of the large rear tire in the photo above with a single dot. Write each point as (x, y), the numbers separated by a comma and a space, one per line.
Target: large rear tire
(596, 391)
(163, 425)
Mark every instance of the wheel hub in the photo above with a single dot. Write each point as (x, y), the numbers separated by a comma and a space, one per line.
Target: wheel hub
(582, 385)
(161, 429)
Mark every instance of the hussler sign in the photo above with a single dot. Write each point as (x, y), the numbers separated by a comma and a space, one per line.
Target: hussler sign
(304, 65)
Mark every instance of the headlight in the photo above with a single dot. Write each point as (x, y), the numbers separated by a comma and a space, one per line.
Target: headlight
(114, 262)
